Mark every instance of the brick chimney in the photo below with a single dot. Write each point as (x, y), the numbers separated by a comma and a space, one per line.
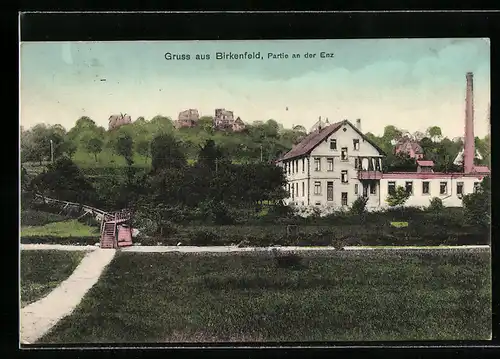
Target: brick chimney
(358, 124)
(469, 150)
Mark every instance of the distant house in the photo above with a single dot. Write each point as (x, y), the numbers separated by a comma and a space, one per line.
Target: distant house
(224, 120)
(187, 118)
(409, 146)
(116, 121)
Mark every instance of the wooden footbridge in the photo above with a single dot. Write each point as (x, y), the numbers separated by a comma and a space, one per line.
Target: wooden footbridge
(115, 228)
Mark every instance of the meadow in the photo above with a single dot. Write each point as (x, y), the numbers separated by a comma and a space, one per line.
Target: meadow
(42, 271)
(338, 296)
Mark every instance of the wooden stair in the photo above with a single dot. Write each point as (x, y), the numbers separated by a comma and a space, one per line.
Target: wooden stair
(108, 235)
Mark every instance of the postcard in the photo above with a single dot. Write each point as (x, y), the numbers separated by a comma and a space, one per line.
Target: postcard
(255, 191)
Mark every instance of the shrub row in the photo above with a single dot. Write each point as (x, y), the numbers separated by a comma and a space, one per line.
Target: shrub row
(212, 238)
(83, 241)
(317, 238)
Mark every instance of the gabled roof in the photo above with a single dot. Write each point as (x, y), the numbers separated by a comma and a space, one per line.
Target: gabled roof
(312, 140)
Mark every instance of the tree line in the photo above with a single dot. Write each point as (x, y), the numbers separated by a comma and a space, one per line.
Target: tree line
(260, 141)
(92, 145)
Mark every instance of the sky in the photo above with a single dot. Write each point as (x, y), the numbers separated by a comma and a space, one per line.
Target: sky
(409, 83)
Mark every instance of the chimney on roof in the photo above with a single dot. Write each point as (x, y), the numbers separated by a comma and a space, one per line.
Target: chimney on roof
(469, 150)
(358, 124)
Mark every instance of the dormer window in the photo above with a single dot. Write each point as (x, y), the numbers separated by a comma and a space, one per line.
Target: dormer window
(343, 154)
(333, 144)
(355, 143)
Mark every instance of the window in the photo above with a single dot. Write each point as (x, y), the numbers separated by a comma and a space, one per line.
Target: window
(333, 144)
(292, 165)
(303, 189)
(425, 187)
(317, 164)
(289, 189)
(460, 188)
(409, 187)
(317, 188)
(377, 165)
(297, 189)
(303, 165)
(318, 203)
(373, 188)
(344, 198)
(443, 188)
(329, 162)
(356, 163)
(329, 191)
(343, 177)
(355, 144)
(365, 190)
(343, 154)
(296, 166)
(293, 190)
(391, 187)
(356, 189)
(477, 186)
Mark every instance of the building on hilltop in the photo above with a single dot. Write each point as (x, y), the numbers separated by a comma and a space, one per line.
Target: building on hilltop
(116, 121)
(224, 120)
(187, 118)
(335, 164)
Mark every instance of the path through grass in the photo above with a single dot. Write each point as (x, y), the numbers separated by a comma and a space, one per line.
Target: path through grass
(42, 271)
(340, 296)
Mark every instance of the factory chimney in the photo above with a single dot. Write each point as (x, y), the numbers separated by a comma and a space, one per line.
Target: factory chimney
(469, 150)
(358, 124)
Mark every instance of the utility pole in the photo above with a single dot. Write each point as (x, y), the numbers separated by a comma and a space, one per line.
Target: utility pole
(51, 151)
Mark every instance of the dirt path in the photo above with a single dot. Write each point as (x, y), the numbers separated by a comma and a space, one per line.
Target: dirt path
(39, 317)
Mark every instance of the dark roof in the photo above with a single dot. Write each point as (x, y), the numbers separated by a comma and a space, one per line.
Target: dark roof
(312, 140)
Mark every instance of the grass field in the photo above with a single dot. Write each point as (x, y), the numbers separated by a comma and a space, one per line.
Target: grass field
(341, 296)
(42, 271)
(69, 228)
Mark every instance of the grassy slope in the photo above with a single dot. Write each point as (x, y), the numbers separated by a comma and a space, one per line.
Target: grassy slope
(42, 271)
(335, 296)
(70, 228)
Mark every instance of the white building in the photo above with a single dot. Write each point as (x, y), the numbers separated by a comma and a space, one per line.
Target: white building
(334, 165)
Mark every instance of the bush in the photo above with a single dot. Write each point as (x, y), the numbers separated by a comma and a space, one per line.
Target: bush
(436, 205)
(217, 212)
(359, 205)
(288, 260)
(205, 238)
(477, 206)
(82, 241)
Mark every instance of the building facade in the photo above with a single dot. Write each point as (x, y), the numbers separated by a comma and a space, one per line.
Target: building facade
(187, 118)
(224, 120)
(334, 165)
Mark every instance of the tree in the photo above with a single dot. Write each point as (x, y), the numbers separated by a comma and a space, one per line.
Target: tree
(142, 147)
(64, 180)
(391, 133)
(434, 132)
(210, 155)
(94, 146)
(477, 206)
(398, 198)
(166, 153)
(124, 148)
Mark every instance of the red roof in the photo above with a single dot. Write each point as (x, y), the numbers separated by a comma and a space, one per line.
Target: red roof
(312, 140)
(481, 169)
(425, 163)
